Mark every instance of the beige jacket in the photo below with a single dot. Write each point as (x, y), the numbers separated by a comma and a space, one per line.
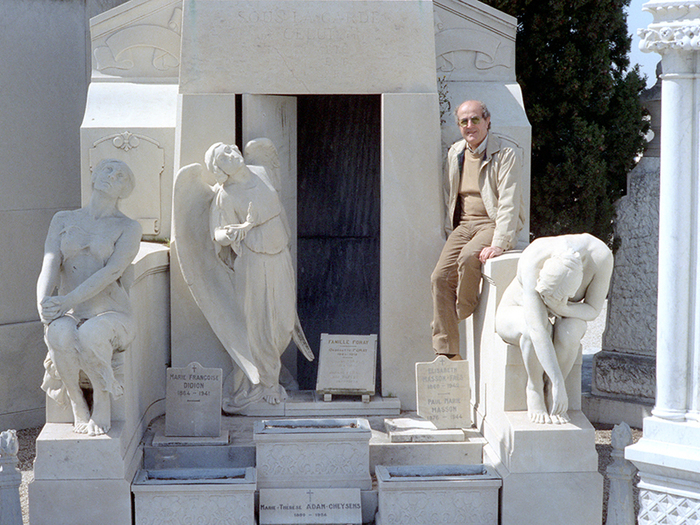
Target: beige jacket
(499, 184)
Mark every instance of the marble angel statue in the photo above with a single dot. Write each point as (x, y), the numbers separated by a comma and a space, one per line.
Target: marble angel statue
(82, 297)
(233, 246)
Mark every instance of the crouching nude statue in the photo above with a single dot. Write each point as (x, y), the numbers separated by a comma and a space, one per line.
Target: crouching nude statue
(233, 246)
(83, 300)
(560, 285)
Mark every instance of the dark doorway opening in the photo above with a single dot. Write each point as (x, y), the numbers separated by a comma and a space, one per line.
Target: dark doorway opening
(338, 205)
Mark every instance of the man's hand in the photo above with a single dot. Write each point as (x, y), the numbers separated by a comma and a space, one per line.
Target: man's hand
(490, 252)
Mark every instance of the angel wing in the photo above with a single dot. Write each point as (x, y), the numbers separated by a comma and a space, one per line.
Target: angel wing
(262, 152)
(208, 278)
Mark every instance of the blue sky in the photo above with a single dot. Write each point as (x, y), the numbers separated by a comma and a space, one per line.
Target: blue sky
(637, 18)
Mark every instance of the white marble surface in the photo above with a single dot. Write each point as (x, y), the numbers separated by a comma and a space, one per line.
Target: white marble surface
(410, 181)
(667, 456)
(435, 496)
(229, 500)
(336, 46)
(539, 463)
(323, 453)
(134, 123)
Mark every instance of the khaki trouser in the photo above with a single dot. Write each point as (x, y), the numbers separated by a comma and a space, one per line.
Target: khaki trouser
(455, 282)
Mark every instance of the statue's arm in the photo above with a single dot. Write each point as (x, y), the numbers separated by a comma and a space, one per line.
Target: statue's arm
(49, 277)
(592, 304)
(125, 249)
(537, 320)
(225, 234)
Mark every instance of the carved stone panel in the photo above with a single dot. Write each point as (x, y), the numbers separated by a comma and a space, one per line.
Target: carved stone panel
(473, 42)
(140, 39)
(146, 158)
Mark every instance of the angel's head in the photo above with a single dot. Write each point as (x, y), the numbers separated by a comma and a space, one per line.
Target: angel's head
(223, 160)
(561, 276)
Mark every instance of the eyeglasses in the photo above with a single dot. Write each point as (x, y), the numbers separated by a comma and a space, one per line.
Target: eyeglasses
(465, 121)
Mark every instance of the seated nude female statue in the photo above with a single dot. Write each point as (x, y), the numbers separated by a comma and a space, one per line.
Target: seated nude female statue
(560, 285)
(81, 298)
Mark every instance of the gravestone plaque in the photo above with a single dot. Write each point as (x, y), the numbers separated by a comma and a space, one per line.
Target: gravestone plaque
(193, 401)
(347, 365)
(310, 506)
(442, 393)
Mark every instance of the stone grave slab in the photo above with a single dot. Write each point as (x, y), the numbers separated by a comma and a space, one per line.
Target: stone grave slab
(312, 506)
(193, 401)
(412, 430)
(347, 365)
(442, 393)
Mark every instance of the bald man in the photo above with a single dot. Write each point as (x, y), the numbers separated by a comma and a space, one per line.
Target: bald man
(484, 213)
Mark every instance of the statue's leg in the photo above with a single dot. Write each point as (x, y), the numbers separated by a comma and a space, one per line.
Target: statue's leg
(62, 342)
(97, 337)
(567, 342)
(512, 327)
(568, 333)
(536, 405)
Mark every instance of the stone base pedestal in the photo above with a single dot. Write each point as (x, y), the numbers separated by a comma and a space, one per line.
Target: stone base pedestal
(622, 388)
(181, 497)
(313, 453)
(426, 495)
(550, 472)
(544, 464)
(79, 479)
(613, 411)
(668, 459)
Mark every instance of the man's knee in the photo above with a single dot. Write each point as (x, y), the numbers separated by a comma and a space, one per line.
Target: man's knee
(469, 259)
(441, 276)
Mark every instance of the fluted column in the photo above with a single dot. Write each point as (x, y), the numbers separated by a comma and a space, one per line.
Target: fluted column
(675, 34)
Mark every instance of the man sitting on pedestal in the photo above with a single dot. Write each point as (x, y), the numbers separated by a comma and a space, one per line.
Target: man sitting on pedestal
(484, 213)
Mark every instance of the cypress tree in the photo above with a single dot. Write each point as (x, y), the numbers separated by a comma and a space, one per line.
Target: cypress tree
(582, 101)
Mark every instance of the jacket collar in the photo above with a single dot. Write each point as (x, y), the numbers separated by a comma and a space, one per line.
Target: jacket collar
(493, 145)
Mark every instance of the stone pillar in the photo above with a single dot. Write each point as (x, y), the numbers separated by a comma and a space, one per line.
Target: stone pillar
(668, 456)
(677, 235)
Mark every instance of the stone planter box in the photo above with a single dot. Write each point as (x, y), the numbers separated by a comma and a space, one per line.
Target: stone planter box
(201, 496)
(444, 494)
(313, 453)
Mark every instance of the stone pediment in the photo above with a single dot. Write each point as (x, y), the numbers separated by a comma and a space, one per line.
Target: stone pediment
(474, 42)
(138, 40)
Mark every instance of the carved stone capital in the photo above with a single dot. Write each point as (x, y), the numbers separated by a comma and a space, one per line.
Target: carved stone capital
(676, 26)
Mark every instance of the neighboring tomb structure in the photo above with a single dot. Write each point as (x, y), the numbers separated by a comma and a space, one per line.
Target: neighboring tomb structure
(82, 297)
(561, 283)
(668, 456)
(233, 247)
(623, 383)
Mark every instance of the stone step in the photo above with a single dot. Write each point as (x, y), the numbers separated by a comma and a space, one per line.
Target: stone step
(240, 450)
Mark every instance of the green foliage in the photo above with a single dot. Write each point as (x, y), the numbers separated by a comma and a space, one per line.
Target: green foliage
(582, 101)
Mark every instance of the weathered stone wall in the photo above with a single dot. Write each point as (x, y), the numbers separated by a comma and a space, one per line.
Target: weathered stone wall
(625, 367)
